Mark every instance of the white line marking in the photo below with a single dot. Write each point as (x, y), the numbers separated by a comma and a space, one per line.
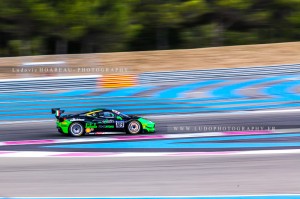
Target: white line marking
(141, 154)
(43, 63)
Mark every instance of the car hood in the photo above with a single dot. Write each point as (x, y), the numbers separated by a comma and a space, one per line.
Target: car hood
(134, 116)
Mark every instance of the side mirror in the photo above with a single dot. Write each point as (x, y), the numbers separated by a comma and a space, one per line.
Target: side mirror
(119, 118)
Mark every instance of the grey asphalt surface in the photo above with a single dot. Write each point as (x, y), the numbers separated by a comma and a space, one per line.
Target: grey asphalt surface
(164, 124)
(150, 176)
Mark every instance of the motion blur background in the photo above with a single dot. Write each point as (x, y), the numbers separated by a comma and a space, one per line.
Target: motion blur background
(34, 27)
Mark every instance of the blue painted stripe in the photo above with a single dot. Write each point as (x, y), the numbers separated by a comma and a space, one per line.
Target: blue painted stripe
(128, 100)
(199, 143)
(160, 111)
(73, 93)
(284, 98)
(282, 90)
(168, 145)
(230, 91)
(145, 103)
(138, 108)
(178, 91)
(142, 100)
(128, 91)
(87, 107)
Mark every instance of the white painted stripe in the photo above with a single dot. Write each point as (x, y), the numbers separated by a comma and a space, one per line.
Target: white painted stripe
(43, 63)
(28, 153)
(142, 154)
(294, 130)
(263, 152)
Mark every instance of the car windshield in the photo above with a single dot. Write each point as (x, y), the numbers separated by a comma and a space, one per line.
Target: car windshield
(120, 114)
(123, 115)
(108, 115)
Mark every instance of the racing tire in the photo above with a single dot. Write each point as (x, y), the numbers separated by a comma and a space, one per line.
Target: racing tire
(76, 129)
(134, 127)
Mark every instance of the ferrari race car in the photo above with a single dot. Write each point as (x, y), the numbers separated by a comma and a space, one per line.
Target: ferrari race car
(99, 121)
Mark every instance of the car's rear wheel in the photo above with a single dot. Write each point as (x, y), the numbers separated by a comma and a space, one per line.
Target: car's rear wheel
(76, 129)
(134, 127)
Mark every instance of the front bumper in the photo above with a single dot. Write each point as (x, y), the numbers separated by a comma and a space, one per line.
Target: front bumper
(149, 128)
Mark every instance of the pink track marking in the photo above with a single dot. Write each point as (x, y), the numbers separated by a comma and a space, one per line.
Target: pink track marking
(246, 132)
(122, 138)
(28, 142)
(5, 152)
(141, 137)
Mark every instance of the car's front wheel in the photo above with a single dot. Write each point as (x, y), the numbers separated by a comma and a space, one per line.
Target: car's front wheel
(134, 127)
(76, 129)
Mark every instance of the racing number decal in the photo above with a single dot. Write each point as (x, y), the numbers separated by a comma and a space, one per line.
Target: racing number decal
(120, 124)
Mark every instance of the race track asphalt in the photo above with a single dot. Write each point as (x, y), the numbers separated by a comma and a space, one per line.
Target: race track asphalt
(165, 124)
(150, 176)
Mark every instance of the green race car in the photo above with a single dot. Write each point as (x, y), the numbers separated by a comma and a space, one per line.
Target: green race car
(100, 121)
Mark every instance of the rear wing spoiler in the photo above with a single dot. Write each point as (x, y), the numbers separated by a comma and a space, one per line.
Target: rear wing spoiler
(57, 112)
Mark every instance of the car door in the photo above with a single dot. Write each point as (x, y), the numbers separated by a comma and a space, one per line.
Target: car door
(105, 121)
(119, 123)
